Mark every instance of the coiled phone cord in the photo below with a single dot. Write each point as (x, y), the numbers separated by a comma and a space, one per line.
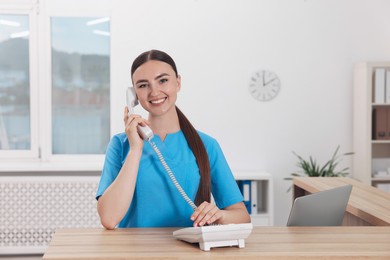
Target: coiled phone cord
(171, 176)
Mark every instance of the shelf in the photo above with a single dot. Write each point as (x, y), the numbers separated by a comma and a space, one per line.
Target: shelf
(380, 179)
(380, 141)
(252, 175)
(380, 105)
(260, 219)
(370, 155)
(257, 189)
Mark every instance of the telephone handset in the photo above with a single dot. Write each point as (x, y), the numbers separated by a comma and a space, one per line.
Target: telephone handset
(145, 132)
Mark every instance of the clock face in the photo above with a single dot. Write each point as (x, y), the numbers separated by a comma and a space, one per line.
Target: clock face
(264, 85)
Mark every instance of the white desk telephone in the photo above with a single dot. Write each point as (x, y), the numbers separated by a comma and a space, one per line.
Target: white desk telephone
(206, 236)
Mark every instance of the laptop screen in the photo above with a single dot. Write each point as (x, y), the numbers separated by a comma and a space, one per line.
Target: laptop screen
(324, 208)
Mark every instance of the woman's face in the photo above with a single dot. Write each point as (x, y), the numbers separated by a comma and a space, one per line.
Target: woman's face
(156, 86)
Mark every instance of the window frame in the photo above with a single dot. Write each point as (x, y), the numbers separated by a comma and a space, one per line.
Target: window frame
(41, 158)
(31, 11)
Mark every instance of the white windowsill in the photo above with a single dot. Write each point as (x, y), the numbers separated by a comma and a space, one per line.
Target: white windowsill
(50, 167)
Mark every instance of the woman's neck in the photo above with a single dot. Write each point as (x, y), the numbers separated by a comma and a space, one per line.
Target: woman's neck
(165, 124)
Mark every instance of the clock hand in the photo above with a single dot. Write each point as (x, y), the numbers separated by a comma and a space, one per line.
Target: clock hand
(269, 81)
(263, 78)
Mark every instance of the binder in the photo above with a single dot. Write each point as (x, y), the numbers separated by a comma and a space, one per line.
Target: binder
(380, 81)
(387, 86)
(254, 201)
(387, 137)
(245, 188)
(380, 123)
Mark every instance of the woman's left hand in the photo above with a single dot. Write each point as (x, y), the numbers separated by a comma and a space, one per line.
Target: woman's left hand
(207, 213)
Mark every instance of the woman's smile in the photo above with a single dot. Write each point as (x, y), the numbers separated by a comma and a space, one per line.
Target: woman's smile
(158, 101)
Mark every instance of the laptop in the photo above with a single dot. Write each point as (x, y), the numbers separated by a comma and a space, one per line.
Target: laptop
(324, 208)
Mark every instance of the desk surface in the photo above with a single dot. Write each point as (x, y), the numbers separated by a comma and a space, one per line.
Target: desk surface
(264, 243)
(367, 203)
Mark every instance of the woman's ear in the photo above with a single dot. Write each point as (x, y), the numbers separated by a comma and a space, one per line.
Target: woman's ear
(178, 83)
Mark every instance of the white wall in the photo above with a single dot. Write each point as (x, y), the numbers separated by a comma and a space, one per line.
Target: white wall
(218, 44)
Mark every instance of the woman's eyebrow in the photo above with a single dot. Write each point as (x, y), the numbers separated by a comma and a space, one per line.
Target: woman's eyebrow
(141, 81)
(156, 78)
(161, 75)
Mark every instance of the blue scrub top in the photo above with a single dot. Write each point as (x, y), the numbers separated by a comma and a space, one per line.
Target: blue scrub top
(156, 201)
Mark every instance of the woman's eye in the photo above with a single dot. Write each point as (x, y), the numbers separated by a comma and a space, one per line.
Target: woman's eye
(163, 80)
(142, 85)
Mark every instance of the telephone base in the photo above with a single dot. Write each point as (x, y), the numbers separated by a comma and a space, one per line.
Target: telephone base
(206, 246)
(216, 236)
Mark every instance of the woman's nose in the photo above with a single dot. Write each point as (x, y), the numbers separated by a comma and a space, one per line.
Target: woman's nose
(153, 89)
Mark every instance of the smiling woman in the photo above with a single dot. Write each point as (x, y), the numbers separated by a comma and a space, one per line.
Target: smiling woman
(133, 182)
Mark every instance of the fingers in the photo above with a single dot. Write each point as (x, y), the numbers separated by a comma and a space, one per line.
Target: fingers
(126, 112)
(131, 117)
(131, 122)
(127, 117)
(206, 213)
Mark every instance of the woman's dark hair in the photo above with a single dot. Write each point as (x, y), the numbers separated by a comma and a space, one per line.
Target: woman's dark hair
(190, 133)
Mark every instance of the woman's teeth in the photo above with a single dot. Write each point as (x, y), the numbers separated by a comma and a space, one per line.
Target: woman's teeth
(157, 101)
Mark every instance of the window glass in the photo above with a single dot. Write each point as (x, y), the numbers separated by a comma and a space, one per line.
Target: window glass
(80, 85)
(15, 128)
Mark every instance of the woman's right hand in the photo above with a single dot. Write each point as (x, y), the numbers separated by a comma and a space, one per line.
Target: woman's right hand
(131, 122)
(116, 200)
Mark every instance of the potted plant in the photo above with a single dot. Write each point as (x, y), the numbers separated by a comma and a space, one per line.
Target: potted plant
(311, 168)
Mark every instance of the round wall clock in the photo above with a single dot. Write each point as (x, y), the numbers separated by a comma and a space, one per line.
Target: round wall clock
(264, 85)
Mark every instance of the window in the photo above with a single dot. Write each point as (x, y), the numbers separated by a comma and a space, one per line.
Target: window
(15, 128)
(18, 83)
(80, 85)
(55, 98)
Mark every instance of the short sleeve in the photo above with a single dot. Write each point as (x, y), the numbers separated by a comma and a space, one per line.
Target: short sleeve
(112, 165)
(224, 187)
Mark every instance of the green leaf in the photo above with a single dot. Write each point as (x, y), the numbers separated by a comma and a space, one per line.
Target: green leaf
(311, 168)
